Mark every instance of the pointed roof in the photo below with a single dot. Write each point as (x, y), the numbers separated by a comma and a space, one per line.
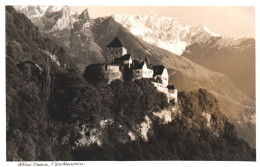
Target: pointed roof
(172, 87)
(113, 64)
(158, 70)
(115, 43)
(150, 66)
(137, 64)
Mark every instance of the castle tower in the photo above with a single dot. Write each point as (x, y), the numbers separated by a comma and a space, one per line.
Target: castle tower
(115, 49)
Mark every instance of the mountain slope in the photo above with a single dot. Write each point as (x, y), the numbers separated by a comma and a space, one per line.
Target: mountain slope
(49, 18)
(34, 13)
(70, 30)
(235, 58)
(26, 43)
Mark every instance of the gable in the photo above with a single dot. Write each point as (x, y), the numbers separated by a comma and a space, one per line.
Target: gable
(144, 66)
(165, 72)
(158, 70)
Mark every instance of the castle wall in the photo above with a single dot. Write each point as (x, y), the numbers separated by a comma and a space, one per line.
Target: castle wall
(165, 76)
(173, 95)
(112, 73)
(128, 62)
(142, 73)
(124, 51)
(137, 74)
(125, 62)
(113, 68)
(148, 73)
(161, 87)
(115, 52)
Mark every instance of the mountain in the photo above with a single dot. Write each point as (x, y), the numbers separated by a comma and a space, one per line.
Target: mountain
(34, 13)
(70, 30)
(57, 18)
(164, 32)
(85, 44)
(49, 18)
(84, 15)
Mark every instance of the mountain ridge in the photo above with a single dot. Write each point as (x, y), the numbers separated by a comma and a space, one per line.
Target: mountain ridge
(235, 59)
(165, 32)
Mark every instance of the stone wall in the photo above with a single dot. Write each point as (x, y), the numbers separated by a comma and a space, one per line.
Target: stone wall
(113, 74)
(115, 52)
(171, 94)
(137, 74)
(142, 73)
(148, 73)
(161, 87)
(112, 68)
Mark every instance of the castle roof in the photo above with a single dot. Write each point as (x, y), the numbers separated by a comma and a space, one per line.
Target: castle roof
(171, 87)
(158, 70)
(138, 65)
(113, 64)
(125, 57)
(115, 43)
(150, 66)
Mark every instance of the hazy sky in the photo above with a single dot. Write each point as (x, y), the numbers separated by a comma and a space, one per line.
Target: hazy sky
(229, 21)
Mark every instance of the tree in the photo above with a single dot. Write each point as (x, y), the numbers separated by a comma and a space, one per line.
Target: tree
(94, 73)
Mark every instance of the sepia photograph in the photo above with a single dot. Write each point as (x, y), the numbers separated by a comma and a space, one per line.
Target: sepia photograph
(130, 83)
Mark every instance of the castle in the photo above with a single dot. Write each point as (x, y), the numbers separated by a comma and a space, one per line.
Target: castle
(120, 65)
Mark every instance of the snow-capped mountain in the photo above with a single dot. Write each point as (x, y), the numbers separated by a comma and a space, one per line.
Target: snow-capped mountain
(49, 18)
(58, 18)
(34, 13)
(71, 30)
(233, 57)
(164, 32)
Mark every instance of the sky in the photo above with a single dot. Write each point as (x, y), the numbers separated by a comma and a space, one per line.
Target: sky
(229, 21)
